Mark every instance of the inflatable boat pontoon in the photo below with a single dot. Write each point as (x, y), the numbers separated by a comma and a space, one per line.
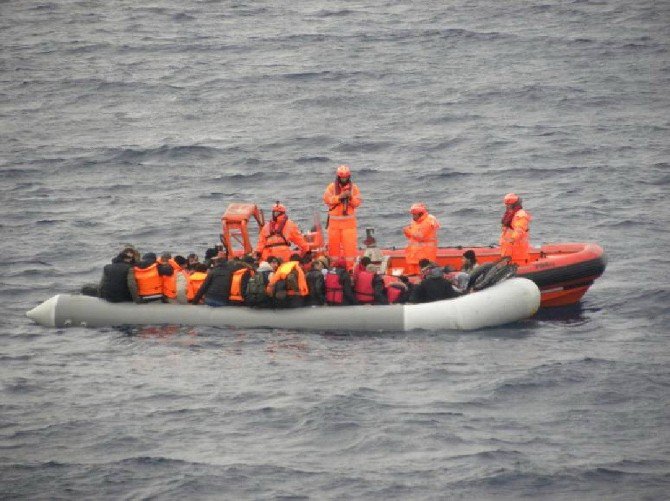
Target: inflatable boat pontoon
(508, 301)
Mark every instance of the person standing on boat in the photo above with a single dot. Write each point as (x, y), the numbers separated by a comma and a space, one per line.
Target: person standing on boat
(515, 228)
(278, 234)
(342, 197)
(421, 235)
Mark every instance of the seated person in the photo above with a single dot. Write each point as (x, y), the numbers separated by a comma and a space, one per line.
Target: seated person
(433, 286)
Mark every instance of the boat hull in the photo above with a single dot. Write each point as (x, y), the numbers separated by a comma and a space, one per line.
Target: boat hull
(563, 272)
(505, 302)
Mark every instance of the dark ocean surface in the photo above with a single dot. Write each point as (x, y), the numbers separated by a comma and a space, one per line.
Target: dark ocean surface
(139, 122)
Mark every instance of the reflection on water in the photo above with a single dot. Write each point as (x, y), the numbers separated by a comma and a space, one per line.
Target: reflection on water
(568, 314)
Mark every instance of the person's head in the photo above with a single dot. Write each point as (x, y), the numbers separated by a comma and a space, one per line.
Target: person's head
(278, 210)
(322, 262)
(247, 259)
(149, 257)
(294, 257)
(512, 200)
(128, 255)
(274, 262)
(129, 249)
(166, 256)
(365, 260)
(417, 210)
(340, 262)
(180, 260)
(192, 258)
(424, 263)
(201, 267)
(211, 253)
(264, 266)
(469, 256)
(343, 174)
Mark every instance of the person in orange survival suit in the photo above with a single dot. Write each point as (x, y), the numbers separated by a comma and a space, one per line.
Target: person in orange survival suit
(277, 235)
(342, 198)
(515, 227)
(421, 234)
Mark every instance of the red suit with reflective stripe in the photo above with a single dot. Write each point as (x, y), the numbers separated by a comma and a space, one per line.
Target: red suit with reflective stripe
(275, 239)
(514, 238)
(342, 234)
(422, 242)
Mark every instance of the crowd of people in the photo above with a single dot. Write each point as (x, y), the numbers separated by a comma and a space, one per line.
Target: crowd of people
(305, 280)
(282, 272)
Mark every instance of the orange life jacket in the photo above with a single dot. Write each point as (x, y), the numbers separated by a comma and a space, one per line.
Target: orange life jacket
(195, 281)
(281, 274)
(236, 292)
(170, 282)
(149, 282)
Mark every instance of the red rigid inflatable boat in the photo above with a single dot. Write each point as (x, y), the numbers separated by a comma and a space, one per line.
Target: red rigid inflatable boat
(562, 271)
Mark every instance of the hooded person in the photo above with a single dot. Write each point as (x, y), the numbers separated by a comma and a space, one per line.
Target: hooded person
(514, 231)
(277, 235)
(113, 285)
(434, 286)
(421, 236)
(342, 197)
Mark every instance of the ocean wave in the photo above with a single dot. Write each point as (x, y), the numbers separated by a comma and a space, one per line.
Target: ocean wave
(333, 13)
(161, 153)
(311, 160)
(552, 375)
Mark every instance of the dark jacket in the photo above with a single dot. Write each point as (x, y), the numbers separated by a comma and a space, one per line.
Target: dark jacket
(317, 288)
(217, 284)
(379, 290)
(114, 282)
(434, 287)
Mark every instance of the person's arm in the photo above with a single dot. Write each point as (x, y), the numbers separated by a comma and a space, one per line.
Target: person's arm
(102, 285)
(330, 198)
(347, 288)
(132, 285)
(519, 227)
(182, 285)
(262, 240)
(355, 199)
(296, 237)
(379, 290)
